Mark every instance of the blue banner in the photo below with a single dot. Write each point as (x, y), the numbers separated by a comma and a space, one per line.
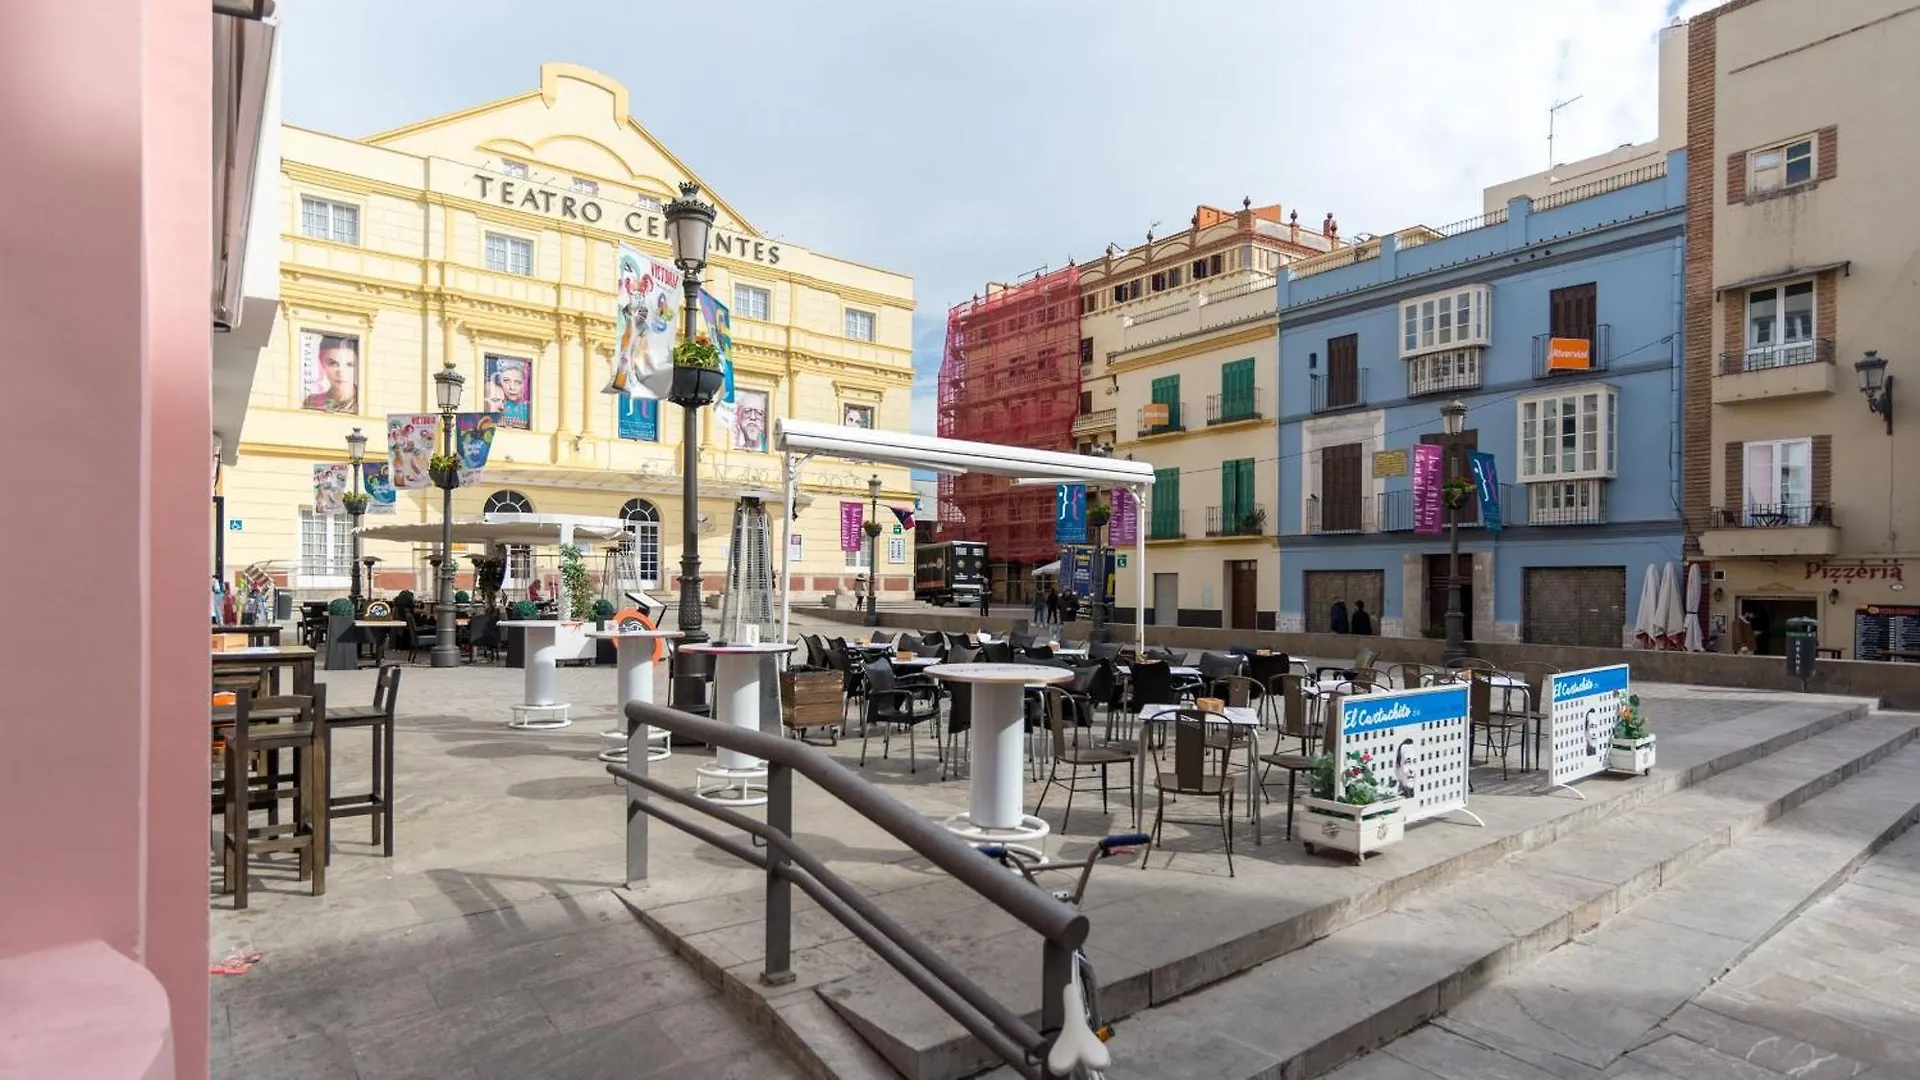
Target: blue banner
(1593, 682)
(1070, 514)
(1486, 481)
(1374, 712)
(1584, 709)
(639, 418)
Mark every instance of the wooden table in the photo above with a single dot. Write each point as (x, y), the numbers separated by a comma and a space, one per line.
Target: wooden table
(255, 633)
(299, 658)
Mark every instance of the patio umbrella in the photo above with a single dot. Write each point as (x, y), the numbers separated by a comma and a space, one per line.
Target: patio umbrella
(1646, 614)
(1694, 640)
(1671, 612)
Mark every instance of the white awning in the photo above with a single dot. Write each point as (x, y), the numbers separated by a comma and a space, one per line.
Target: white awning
(531, 529)
(1052, 569)
(953, 455)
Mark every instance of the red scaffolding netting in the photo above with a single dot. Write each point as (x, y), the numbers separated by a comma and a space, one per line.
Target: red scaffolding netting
(1010, 375)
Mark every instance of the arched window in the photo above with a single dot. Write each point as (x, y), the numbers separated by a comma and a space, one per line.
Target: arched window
(507, 502)
(643, 522)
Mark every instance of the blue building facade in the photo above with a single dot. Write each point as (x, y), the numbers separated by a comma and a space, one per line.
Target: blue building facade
(1558, 323)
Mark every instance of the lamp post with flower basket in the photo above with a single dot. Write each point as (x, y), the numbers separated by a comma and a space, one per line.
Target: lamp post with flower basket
(697, 378)
(1454, 493)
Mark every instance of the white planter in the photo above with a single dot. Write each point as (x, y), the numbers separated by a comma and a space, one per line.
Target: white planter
(1630, 757)
(1356, 830)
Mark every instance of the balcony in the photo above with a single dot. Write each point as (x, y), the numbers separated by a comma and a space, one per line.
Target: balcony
(1395, 512)
(1094, 423)
(1160, 418)
(1444, 372)
(1331, 394)
(1775, 372)
(1550, 363)
(1359, 514)
(1236, 521)
(1772, 530)
(1231, 408)
(1559, 502)
(1165, 525)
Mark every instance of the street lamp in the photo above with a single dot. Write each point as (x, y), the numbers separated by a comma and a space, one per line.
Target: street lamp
(1454, 416)
(356, 453)
(446, 391)
(873, 551)
(689, 222)
(1876, 384)
(1097, 633)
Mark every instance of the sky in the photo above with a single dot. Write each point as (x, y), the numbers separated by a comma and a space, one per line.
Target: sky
(962, 143)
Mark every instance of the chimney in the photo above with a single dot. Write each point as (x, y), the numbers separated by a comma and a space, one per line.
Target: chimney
(1293, 226)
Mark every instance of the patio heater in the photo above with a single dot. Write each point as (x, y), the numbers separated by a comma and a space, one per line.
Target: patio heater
(1454, 416)
(446, 648)
(689, 223)
(873, 550)
(356, 453)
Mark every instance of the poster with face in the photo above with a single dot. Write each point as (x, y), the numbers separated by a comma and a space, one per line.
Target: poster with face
(860, 416)
(750, 424)
(329, 485)
(411, 439)
(507, 389)
(646, 325)
(1416, 741)
(1585, 706)
(329, 372)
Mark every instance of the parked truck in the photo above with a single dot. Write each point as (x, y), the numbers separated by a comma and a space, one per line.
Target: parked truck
(952, 572)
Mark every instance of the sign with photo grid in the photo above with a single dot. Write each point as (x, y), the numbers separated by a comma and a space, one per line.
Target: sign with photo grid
(1419, 743)
(1586, 706)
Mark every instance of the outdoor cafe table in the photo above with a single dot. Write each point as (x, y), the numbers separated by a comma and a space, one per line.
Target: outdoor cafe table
(540, 707)
(298, 658)
(255, 633)
(736, 779)
(634, 647)
(994, 811)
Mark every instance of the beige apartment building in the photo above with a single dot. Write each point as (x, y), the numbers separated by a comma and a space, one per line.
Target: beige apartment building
(1179, 353)
(1800, 282)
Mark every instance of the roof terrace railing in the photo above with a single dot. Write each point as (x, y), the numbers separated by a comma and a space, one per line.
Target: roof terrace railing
(1062, 929)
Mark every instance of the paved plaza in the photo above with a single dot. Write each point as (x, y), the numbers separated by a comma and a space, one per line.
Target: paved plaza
(499, 942)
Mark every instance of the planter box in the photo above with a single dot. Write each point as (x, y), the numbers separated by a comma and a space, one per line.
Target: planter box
(1356, 830)
(1631, 758)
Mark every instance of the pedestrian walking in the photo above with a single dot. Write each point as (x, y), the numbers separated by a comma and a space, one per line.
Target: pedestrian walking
(1337, 617)
(1053, 606)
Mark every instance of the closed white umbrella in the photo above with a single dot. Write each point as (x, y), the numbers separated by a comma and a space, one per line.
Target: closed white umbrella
(1673, 612)
(1695, 642)
(1646, 615)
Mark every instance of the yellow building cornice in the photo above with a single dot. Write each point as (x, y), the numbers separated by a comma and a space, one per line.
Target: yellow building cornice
(1268, 328)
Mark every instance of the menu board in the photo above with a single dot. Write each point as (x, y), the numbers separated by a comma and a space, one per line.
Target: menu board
(1877, 628)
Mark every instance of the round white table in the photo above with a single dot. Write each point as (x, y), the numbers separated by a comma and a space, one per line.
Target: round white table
(734, 778)
(995, 814)
(633, 649)
(541, 707)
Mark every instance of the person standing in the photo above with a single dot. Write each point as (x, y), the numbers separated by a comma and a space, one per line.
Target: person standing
(1362, 622)
(1337, 617)
(986, 602)
(254, 613)
(1039, 605)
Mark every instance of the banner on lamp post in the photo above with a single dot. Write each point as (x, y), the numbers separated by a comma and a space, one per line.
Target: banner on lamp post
(1426, 489)
(376, 478)
(1486, 481)
(1124, 526)
(851, 516)
(1070, 514)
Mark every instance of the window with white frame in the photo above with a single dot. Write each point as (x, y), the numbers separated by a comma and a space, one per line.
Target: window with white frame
(1777, 168)
(1567, 502)
(751, 302)
(322, 219)
(515, 169)
(326, 549)
(583, 186)
(1570, 435)
(1455, 318)
(1779, 482)
(643, 521)
(859, 324)
(1433, 373)
(518, 561)
(857, 560)
(509, 254)
(1780, 326)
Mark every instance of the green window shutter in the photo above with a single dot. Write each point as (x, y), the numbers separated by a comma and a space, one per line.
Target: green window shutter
(1166, 391)
(1166, 504)
(1236, 390)
(1236, 494)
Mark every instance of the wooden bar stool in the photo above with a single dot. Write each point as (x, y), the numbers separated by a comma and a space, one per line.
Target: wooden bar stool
(295, 722)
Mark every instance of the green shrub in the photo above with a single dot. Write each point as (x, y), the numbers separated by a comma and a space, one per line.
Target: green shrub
(523, 609)
(403, 599)
(462, 597)
(340, 605)
(603, 609)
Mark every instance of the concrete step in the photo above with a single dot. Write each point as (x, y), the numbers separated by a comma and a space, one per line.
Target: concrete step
(1158, 936)
(1309, 1011)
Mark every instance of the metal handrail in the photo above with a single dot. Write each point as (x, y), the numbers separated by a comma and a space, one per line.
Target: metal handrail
(994, 1024)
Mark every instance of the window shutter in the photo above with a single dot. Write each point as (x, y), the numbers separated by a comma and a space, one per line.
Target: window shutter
(1343, 370)
(1822, 467)
(1737, 177)
(1166, 391)
(1736, 484)
(1828, 148)
(1340, 509)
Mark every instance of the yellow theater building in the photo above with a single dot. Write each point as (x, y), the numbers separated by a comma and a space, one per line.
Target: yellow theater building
(486, 239)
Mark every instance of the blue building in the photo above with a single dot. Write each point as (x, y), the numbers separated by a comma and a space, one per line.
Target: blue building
(1558, 323)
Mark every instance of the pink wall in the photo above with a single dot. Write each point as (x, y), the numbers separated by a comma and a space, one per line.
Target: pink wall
(104, 294)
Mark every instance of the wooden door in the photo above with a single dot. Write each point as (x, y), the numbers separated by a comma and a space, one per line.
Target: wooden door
(1437, 568)
(1341, 509)
(1243, 594)
(1343, 371)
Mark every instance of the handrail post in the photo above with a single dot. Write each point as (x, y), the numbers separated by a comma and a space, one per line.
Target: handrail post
(637, 819)
(778, 970)
(1056, 971)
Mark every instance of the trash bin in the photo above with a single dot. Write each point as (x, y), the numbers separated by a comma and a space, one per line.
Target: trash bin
(282, 606)
(1803, 640)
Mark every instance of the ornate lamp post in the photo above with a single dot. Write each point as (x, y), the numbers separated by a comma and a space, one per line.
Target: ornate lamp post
(1098, 520)
(1876, 384)
(873, 551)
(356, 505)
(689, 223)
(446, 473)
(1454, 415)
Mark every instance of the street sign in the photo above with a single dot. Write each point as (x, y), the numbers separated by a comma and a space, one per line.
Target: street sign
(1123, 561)
(896, 530)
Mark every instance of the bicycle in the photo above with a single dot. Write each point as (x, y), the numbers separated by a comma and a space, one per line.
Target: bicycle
(1070, 1057)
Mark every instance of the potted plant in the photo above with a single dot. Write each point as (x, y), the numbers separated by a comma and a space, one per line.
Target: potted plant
(516, 636)
(697, 374)
(355, 502)
(873, 528)
(444, 470)
(489, 575)
(1456, 492)
(604, 650)
(1632, 751)
(577, 585)
(462, 597)
(1098, 516)
(1355, 812)
(343, 641)
(1253, 522)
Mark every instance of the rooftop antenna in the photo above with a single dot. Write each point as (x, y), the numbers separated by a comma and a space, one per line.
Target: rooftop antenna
(1552, 114)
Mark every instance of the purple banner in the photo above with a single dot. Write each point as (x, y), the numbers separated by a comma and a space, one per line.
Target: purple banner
(1124, 526)
(851, 515)
(1426, 489)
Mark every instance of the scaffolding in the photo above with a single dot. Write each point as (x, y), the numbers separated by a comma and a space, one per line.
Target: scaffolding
(1010, 375)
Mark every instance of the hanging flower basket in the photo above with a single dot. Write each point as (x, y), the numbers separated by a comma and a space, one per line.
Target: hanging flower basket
(697, 374)
(1098, 516)
(1457, 493)
(873, 528)
(444, 471)
(355, 503)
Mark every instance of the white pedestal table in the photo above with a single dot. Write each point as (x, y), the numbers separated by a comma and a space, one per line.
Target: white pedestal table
(541, 708)
(995, 811)
(736, 779)
(634, 646)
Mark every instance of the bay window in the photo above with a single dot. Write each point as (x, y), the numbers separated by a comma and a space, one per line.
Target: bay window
(1455, 318)
(1570, 435)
